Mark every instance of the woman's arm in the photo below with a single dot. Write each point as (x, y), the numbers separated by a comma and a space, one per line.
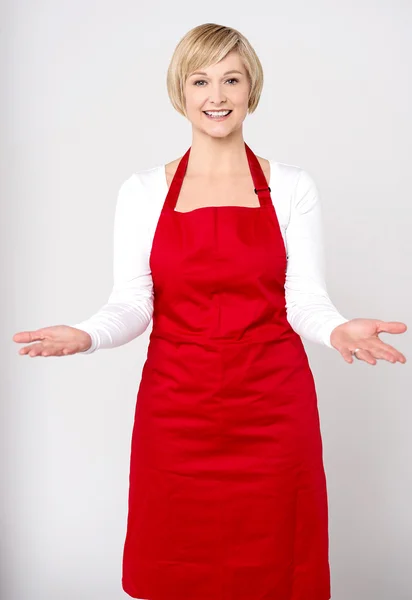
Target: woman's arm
(129, 308)
(310, 311)
(309, 308)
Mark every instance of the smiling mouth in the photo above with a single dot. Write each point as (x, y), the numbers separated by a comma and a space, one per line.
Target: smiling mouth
(217, 115)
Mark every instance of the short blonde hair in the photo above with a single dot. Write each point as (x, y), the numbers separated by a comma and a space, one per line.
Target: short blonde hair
(206, 45)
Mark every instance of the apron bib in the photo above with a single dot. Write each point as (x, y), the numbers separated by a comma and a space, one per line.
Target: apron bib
(227, 497)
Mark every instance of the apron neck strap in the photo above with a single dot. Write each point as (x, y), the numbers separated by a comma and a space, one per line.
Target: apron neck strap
(174, 189)
(259, 180)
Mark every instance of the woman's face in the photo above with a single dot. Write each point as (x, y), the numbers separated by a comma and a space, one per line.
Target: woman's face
(217, 89)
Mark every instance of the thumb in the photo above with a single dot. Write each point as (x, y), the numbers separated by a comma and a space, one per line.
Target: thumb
(391, 327)
(29, 336)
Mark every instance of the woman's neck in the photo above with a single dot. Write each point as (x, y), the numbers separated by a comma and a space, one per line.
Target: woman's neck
(218, 156)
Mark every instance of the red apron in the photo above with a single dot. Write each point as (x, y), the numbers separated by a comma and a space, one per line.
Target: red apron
(228, 496)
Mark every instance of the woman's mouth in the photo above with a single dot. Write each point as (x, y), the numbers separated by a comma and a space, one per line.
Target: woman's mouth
(217, 115)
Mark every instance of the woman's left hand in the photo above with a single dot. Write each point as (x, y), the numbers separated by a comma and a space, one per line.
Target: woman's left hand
(363, 334)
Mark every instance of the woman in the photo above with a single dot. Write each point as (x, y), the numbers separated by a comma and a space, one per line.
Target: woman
(223, 249)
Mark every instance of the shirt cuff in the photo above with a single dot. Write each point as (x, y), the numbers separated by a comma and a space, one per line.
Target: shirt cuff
(329, 327)
(95, 339)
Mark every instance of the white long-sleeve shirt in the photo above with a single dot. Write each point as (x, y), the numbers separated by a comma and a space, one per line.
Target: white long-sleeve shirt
(129, 308)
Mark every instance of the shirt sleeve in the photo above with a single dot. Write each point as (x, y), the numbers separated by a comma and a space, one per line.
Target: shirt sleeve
(129, 308)
(310, 311)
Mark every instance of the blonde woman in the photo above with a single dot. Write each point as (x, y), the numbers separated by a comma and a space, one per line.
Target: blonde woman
(223, 249)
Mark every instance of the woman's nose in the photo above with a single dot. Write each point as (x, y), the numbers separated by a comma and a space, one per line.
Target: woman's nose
(217, 95)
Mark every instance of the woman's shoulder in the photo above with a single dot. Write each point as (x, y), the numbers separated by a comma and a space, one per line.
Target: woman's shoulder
(289, 184)
(147, 182)
(283, 170)
(284, 179)
(292, 181)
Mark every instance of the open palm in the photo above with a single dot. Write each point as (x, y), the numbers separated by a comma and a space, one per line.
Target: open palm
(57, 340)
(364, 334)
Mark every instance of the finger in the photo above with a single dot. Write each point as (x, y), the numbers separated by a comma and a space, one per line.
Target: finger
(381, 354)
(26, 349)
(53, 351)
(33, 350)
(28, 336)
(347, 355)
(365, 355)
(41, 349)
(391, 327)
(385, 351)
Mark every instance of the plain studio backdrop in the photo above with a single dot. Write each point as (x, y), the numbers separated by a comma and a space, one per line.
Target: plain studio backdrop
(83, 106)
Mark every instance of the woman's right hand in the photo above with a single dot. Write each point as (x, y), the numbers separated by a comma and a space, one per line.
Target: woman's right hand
(57, 340)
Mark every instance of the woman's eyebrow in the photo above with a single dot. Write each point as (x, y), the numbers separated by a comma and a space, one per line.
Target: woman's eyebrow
(224, 74)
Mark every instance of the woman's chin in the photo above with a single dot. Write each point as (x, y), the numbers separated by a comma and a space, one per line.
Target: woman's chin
(216, 131)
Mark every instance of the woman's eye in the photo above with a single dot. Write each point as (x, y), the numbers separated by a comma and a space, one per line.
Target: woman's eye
(232, 80)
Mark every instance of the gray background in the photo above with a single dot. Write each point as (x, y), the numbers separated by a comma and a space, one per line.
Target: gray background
(83, 105)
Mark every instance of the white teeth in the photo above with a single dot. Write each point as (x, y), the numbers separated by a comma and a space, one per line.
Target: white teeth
(220, 113)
